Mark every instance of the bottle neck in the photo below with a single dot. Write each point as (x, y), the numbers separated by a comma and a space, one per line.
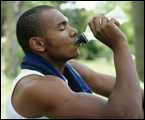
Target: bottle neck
(86, 36)
(81, 39)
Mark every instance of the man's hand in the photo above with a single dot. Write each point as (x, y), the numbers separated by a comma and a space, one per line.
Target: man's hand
(126, 92)
(107, 31)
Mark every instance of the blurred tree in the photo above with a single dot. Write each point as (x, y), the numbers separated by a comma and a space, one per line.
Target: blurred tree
(30, 4)
(11, 51)
(10, 45)
(127, 27)
(2, 18)
(138, 18)
(77, 16)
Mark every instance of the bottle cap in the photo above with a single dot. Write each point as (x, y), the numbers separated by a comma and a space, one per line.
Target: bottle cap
(81, 39)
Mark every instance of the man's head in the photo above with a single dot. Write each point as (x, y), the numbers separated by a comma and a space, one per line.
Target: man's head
(45, 30)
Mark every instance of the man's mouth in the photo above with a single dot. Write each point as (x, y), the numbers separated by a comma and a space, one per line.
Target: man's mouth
(76, 45)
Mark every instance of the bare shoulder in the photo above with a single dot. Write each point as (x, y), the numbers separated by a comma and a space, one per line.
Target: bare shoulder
(47, 89)
(34, 93)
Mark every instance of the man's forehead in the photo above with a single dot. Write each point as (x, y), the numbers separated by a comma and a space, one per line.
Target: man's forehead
(53, 17)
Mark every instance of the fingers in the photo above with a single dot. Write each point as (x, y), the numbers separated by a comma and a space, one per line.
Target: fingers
(115, 22)
(104, 21)
(92, 27)
(100, 22)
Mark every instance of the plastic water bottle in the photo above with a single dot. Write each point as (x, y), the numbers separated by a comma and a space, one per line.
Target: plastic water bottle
(87, 35)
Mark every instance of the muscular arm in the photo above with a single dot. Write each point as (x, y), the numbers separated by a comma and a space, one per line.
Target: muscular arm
(104, 84)
(54, 97)
(126, 88)
(57, 100)
(127, 82)
(100, 83)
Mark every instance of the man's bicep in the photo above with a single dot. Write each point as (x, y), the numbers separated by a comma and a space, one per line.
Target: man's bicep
(80, 105)
(50, 91)
(59, 101)
(69, 104)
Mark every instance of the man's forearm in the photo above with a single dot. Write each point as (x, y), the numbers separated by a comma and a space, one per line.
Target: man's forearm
(126, 74)
(125, 98)
(126, 90)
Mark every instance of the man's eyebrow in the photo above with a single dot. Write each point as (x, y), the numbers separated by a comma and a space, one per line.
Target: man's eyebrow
(62, 23)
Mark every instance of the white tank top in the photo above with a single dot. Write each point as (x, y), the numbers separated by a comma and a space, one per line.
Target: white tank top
(10, 111)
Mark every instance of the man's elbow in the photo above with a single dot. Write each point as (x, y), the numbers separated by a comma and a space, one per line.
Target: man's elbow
(134, 113)
(125, 112)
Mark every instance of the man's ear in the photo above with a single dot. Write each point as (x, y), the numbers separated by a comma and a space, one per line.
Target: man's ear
(37, 44)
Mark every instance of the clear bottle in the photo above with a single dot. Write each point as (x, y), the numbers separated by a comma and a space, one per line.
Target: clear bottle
(87, 35)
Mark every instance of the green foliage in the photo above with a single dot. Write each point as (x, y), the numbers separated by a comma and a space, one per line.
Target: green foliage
(127, 28)
(89, 51)
(105, 8)
(77, 17)
(30, 4)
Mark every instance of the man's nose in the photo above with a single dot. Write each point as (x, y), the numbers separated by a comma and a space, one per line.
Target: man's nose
(73, 32)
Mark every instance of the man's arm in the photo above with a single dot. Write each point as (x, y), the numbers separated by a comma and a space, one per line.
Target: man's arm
(57, 100)
(100, 83)
(127, 81)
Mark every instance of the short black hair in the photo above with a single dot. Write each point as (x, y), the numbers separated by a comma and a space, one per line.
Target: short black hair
(29, 25)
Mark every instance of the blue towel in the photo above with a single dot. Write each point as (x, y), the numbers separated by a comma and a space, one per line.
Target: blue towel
(75, 81)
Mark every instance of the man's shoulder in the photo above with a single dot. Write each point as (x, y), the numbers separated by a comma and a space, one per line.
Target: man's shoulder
(43, 88)
(37, 81)
(38, 92)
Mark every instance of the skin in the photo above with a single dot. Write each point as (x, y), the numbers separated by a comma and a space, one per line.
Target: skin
(36, 96)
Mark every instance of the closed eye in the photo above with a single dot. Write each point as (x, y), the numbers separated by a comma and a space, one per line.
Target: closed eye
(62, 25)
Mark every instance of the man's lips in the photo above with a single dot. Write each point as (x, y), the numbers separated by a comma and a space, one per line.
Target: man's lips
(78, 45)
(75, 42)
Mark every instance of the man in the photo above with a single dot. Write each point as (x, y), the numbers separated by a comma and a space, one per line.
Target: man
(51, 85)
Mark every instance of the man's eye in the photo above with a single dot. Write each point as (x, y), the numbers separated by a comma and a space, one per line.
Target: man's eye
(62, 27)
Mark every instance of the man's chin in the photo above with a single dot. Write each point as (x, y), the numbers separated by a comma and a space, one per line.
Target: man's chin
(76, 55)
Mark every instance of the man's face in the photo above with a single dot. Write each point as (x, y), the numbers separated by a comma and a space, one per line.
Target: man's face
(60, 36)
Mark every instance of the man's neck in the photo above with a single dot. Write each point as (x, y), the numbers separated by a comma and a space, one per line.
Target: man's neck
(58, 64)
